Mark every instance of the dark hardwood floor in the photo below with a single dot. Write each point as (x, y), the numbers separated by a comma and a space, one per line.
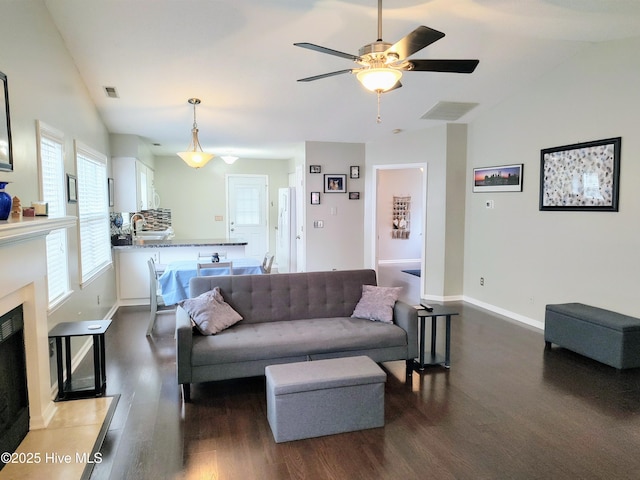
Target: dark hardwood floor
(507, 409)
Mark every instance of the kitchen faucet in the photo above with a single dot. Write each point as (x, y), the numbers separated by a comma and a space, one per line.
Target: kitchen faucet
(134, 222)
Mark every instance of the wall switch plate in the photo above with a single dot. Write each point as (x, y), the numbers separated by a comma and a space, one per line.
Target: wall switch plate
(489, 204)
(318, 224)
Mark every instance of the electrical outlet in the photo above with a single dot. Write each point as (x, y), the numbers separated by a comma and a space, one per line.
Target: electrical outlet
(482, 281)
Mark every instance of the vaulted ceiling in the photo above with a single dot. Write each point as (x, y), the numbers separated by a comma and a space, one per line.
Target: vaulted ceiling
(238, 58)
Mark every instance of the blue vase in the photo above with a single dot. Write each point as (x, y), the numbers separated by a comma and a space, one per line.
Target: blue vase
(5, 202)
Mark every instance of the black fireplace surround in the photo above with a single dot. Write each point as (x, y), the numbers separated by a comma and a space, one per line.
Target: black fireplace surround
(14, 398)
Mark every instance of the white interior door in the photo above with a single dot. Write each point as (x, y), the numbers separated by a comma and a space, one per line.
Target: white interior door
(247, 202)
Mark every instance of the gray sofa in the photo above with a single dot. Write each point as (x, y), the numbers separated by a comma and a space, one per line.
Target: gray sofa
(289, 317)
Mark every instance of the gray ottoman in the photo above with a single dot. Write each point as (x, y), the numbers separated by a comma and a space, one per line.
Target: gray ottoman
(323, 397)
(603, 335)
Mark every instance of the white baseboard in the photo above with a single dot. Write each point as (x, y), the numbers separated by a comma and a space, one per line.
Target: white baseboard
(403, 260)
(506, 313)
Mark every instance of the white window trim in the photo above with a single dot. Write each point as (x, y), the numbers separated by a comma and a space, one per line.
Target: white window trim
(44, 131)
(86, 278)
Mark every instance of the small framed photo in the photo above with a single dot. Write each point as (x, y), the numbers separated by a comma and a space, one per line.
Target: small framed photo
(354, 195)
(335, 183)
(354, 171)
(72, 189)
(314, 169)
(315, 198)
(111, 191)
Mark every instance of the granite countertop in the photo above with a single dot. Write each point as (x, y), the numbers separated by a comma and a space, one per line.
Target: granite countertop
(182, 242)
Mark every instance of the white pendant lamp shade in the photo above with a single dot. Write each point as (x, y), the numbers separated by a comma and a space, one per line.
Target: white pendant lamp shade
(194, 156)
(229, 159)
(379, 79)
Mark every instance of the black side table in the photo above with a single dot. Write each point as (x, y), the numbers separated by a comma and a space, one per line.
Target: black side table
(434, 358)
(66, 330)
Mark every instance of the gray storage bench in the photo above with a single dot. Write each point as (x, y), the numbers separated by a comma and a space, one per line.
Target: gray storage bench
(603, 335)
(323, 397)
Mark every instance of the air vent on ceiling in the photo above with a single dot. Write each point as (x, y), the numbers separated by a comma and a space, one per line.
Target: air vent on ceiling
(449, 111)
(111, 92)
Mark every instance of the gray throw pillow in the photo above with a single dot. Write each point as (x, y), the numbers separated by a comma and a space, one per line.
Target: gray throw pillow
(377, 303)
(210, 313)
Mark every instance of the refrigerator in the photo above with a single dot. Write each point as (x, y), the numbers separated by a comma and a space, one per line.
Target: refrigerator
(286, 236)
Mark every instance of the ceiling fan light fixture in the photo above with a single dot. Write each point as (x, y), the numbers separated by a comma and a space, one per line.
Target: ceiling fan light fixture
(194, 156)
(379, 79)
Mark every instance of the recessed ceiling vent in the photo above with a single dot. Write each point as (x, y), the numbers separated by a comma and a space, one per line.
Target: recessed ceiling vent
(449, 111)
(111, 92)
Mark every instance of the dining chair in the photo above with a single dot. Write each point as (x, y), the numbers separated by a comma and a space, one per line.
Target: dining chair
(155, 297)
(267, 262)
(203, 266)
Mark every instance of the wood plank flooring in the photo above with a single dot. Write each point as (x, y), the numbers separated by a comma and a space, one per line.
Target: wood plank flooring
(507, 409)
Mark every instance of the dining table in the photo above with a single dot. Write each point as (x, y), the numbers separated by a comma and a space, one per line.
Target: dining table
(174, 281)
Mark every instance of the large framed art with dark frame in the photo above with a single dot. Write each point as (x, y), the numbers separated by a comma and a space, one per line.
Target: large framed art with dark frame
(6, 152)
(582, 176)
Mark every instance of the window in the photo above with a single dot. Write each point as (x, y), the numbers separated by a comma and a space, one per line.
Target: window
(52, 191)
(93, 213)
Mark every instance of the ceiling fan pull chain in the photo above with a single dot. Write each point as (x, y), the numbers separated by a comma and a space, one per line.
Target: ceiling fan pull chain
(379, 119)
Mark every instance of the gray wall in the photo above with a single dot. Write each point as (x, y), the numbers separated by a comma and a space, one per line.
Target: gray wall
(339, 244)
(44, 85)
(196, 197)
(531, 258)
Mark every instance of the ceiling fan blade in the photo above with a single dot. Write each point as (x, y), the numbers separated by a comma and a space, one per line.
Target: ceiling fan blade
(330, 51)
(453, 66)
(415, 41)
(324, 75)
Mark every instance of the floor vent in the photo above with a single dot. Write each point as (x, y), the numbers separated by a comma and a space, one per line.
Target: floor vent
(449, 111)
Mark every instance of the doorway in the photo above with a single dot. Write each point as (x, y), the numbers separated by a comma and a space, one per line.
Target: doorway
(247, 212)
(399, 225)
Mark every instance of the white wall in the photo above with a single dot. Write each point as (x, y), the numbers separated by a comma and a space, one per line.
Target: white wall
(399, 182)
(339, 244)
(44, 84)
(531, 258)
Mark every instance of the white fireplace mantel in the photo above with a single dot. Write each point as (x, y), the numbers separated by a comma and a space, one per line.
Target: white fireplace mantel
(23, 272)
(13, 231)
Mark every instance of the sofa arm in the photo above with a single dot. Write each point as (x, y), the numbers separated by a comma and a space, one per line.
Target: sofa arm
(184, 344)
(406, 317)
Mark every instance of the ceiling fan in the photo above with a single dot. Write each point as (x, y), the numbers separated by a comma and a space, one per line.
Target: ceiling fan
(382, 63)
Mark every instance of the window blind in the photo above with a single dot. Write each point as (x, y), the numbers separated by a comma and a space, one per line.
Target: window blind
(93, 212)
(52, 191)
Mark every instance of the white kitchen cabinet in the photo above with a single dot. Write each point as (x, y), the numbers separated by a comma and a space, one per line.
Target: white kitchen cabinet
(133, 274)
(133, 185)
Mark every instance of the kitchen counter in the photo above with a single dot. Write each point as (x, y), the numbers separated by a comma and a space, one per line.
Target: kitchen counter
(132, 270)
(181, 242)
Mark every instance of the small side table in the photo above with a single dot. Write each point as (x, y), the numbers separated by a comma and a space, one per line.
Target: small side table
(434, 358)
(66, 330)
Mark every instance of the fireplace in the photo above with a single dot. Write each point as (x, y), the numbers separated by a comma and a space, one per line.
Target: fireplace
(23, 270)
(14, 405)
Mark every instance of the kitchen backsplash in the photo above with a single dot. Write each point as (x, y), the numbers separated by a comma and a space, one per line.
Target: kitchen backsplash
(156, 219)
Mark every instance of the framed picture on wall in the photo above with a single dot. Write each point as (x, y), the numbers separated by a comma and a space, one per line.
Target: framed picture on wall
(315, 198)
(335, 183)
(503, 178)
(354, 171)
(582, 176)
(72, 189)
(354, 195)
(315, 169)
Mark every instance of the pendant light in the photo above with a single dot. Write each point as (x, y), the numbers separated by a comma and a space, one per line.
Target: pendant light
(194, 156)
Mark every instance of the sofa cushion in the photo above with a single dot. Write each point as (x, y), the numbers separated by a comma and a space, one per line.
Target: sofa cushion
(210, 313)
(259, 341)
(377, 303)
